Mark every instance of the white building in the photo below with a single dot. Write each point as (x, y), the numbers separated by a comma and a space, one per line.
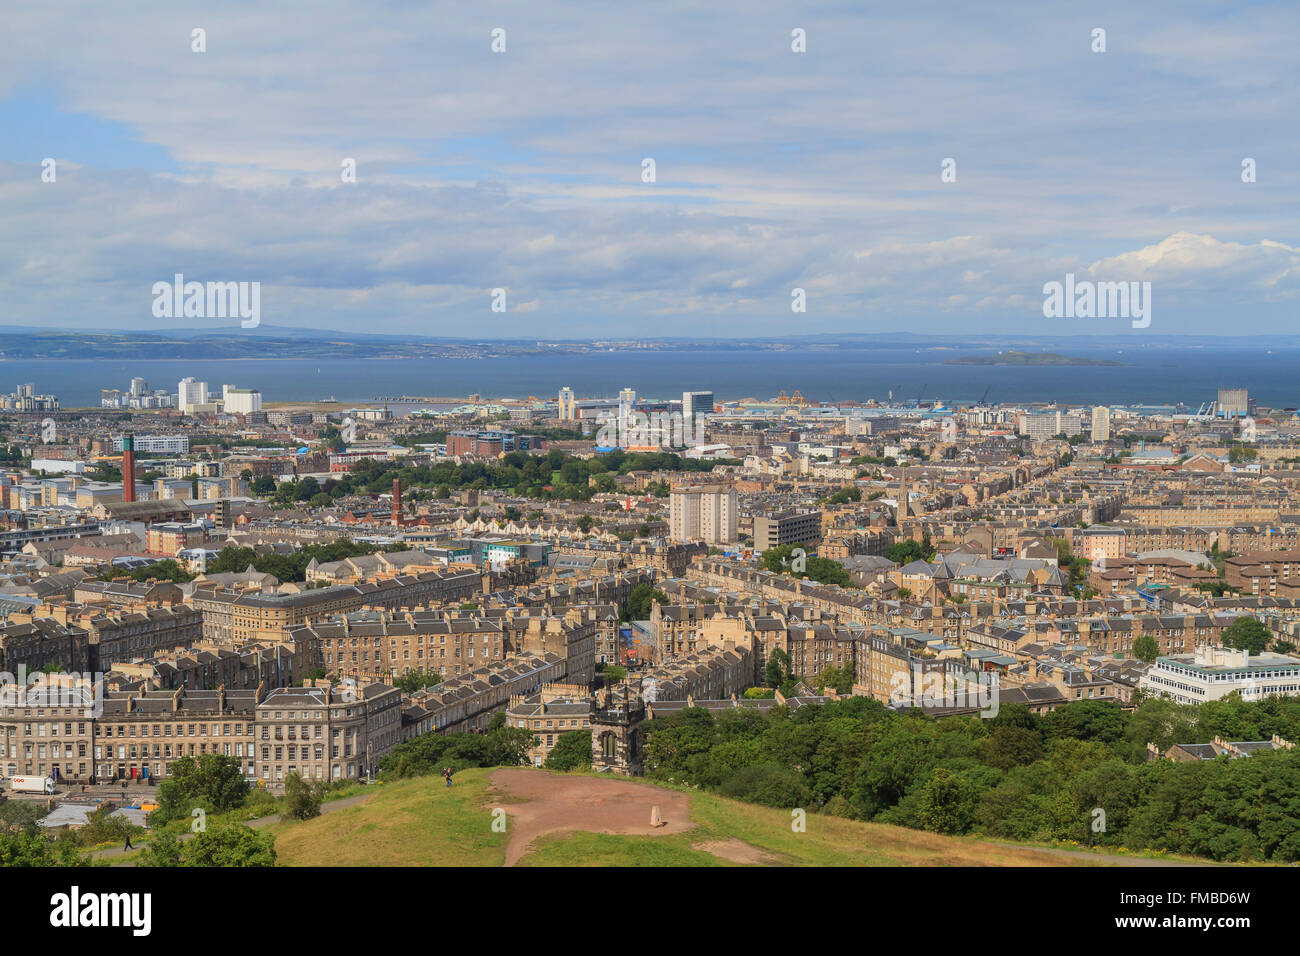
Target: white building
(158, 444)
(240, 401)
(1101, 423)
(1042, 426)
(190, 393)
(1214, 672)
(58, 466)
(707, 513)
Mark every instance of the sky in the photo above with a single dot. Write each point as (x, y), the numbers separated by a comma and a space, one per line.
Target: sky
(524, 170)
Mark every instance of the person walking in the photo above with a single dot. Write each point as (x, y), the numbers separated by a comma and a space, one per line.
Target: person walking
(128, 844)
(446, 775)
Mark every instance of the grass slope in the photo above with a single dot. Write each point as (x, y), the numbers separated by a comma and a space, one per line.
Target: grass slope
(421, 823)
(745, 834)
(406, 823)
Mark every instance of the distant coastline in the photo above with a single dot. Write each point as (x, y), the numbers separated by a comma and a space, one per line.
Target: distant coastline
(1013, 357)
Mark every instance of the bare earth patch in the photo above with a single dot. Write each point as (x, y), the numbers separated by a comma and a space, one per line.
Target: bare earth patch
(557, 804)
(737, 851)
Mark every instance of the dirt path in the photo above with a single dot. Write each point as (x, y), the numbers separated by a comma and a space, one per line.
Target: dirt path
(1111, 859)
(557, 804)
(738, 851)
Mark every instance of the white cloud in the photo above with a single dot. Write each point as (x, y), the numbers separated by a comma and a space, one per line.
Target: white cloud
(775, 169)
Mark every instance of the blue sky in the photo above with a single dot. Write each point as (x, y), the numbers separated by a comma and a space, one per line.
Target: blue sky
(775, 170)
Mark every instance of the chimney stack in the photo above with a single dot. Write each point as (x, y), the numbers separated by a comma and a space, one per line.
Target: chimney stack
(128, 467)
(397, 502)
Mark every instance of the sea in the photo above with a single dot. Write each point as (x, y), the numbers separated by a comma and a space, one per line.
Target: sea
(1163, 376)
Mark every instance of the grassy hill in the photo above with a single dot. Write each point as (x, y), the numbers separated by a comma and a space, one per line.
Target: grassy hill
(421, 823)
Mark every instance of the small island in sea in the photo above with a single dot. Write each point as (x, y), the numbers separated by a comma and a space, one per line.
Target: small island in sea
(1012, 357)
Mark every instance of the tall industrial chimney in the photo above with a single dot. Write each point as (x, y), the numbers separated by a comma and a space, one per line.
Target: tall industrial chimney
(397, 502)
(128, 467)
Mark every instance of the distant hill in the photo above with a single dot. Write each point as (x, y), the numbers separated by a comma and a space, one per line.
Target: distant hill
(1013, 357)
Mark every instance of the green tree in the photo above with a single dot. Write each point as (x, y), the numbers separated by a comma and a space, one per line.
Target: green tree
(20, 816)
(229, 845)
(1145, 649)
(947, 802)
(905, 552)
(777, 668)
(103, 827)
(164, 849)
(640, 599)
(572, 751)
(768, 784)
(1247, 634)
(1010, 746)
(301, 800)
(412, 681)
(211, 781)
(840, 679)
(36, 849)
(1098, 720)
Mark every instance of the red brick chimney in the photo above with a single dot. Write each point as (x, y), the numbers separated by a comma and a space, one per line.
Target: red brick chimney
(128, 467)
(397, 502)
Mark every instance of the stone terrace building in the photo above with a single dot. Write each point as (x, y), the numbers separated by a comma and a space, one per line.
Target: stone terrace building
(32, 644)
(128, 592)
(324, 734)
(467, 702)
(555, 710)
(140, 735)
(377, 645)
(711, 674)
(320, 732)
(210, 665)
(1260, 572)
(41, 740)
(91, 638)
(257, 616)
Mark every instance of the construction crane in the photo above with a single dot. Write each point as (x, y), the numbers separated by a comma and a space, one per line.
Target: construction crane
(985, 395)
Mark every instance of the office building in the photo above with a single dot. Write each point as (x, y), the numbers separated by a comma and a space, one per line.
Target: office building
(568, 407)
(790, 527)
(1214, 672)
(491, 444)
(696, 403)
